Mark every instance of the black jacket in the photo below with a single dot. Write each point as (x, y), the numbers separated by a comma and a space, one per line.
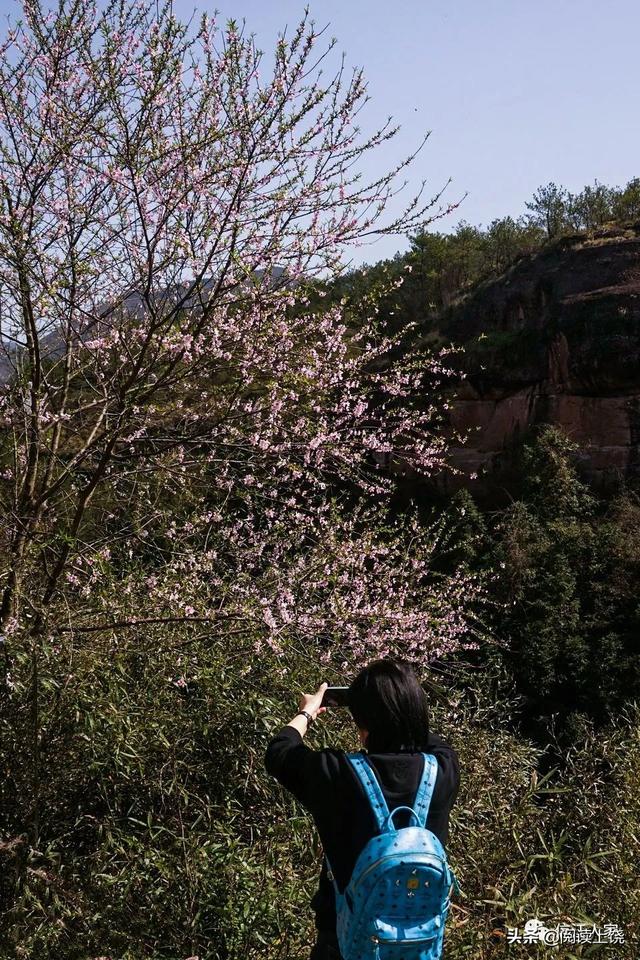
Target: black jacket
(325, 783)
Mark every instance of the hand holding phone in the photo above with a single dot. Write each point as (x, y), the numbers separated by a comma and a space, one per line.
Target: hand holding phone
(336, 697)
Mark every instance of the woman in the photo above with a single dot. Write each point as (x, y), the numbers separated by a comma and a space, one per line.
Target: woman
(389, 708)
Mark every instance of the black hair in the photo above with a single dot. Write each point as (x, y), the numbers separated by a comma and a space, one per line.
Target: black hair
(386, 699)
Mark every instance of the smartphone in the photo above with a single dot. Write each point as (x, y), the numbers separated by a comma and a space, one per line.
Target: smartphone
(336, 697)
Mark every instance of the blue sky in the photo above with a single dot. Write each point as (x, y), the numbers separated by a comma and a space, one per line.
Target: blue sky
(515, 92)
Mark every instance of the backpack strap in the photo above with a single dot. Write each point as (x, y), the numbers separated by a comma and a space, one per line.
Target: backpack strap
(425, 789)
(374, 795)
(371, 787)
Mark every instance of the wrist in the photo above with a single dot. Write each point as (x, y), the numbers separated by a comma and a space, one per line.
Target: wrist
(308, 716)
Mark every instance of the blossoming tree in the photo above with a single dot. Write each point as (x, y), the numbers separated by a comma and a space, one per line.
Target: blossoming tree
(167, 195)
(196, 450)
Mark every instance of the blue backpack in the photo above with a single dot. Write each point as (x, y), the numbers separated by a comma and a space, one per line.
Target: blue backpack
(396, 903)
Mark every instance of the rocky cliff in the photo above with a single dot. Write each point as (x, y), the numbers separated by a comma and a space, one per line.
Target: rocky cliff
(554, 340)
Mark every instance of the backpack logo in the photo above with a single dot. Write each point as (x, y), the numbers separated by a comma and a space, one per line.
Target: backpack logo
(399, 891)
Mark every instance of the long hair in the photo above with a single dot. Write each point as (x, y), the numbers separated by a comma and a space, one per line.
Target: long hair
(387, 700)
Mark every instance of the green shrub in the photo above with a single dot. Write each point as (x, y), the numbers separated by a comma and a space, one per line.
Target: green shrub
(161, 835)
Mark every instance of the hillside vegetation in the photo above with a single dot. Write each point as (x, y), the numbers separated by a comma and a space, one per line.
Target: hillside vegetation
(440, 267)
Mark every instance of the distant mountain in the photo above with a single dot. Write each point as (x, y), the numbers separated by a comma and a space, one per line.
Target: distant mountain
(133, 304)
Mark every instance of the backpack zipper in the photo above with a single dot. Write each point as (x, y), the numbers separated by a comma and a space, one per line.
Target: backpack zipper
(401, 943)
(391, 856)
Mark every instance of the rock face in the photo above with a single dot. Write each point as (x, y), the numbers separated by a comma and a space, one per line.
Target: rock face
(554, 340)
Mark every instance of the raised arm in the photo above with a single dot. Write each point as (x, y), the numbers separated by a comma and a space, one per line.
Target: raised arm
(287, 759)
